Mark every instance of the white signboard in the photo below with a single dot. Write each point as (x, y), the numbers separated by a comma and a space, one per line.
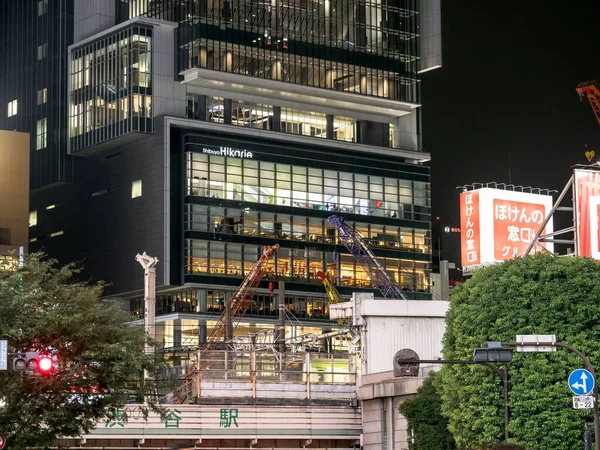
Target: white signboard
(3, 355)
(534, 340)
(583, 402)
(497, 225)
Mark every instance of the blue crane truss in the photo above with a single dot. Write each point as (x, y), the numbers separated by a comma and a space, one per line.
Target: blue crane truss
(355, 244)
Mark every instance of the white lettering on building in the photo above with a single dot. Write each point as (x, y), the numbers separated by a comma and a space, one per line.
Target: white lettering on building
(228, 151)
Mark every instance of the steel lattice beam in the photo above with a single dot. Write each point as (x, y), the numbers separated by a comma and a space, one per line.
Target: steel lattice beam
(355, 244)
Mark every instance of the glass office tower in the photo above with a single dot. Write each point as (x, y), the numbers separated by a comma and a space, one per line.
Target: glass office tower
(34, 36)
(365, 47)
(201, 131)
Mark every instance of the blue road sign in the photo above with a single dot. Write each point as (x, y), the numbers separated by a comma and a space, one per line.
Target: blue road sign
(581, 382)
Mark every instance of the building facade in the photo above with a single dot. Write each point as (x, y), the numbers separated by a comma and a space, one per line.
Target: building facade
(14, 196)
(34, 37)
(200, 131)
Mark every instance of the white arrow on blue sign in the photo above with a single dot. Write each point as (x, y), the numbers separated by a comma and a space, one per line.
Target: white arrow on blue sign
(581, 382)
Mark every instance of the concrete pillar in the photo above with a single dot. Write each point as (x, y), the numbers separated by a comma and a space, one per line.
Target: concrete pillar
(202, 57)
(276, 69)
(329, 77)
(227, 110)
(177, 333)
(201, 299)
(202, 116)
(389, 422)
(202, 332)
(329, 126)
(228, 62)
(276, 118)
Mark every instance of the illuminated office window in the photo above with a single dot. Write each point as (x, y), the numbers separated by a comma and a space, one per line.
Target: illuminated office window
(32, 218)
(42, 96)
(136, 189)
(13, 108)
(41, 134)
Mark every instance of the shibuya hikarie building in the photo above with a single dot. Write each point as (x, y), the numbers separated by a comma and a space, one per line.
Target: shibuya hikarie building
(201, 131)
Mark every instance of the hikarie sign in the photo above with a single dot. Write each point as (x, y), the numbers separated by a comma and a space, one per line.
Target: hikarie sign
(587, 212)
(498, 225)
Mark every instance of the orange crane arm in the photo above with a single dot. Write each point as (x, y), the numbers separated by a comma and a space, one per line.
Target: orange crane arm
(591, 91)
(240, 301)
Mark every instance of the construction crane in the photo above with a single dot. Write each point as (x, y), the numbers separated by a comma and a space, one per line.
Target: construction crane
(356, 245)
(231, 317)
(332, 293)
(591, 91)
(240, 301)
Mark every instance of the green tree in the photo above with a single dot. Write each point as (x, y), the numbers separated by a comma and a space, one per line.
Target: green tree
(99, 357)
(540, 294)
(424, 416)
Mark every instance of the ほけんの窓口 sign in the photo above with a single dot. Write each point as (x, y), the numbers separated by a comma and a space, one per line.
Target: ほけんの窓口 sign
(498, 225)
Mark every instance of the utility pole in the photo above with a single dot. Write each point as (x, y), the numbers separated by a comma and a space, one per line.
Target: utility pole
(149, 264)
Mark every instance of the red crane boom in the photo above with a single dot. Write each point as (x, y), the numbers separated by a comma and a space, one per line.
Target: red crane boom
(240, 301)
(591, 91)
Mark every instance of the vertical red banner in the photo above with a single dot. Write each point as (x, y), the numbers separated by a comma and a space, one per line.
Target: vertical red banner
(587, 191)
(470, 233)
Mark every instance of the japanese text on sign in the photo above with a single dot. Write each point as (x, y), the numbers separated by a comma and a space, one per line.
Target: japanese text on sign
(228, 417)
(469, 224)
(121, 416)
(515, 226)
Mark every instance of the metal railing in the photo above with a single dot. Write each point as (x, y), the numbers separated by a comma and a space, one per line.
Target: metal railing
(268, 374)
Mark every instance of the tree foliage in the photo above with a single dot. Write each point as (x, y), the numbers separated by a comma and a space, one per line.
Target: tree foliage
(539, 294)
(99, 357)
(424, 416)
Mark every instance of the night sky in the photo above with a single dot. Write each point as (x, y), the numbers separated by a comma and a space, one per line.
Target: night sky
(506, 93)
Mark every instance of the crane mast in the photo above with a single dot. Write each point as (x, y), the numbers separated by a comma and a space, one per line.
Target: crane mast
(591, 91)
(355, 244)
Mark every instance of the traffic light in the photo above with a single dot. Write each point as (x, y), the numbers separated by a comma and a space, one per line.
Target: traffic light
(33, 362)
(45, 365)
(19, 362)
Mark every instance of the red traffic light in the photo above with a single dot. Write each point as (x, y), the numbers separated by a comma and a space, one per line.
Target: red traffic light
(45, 365)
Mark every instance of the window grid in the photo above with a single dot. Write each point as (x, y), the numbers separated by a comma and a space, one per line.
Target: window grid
(367, 47)
(231, 259)
(111, 87)
(41, 134)
(336, 191)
